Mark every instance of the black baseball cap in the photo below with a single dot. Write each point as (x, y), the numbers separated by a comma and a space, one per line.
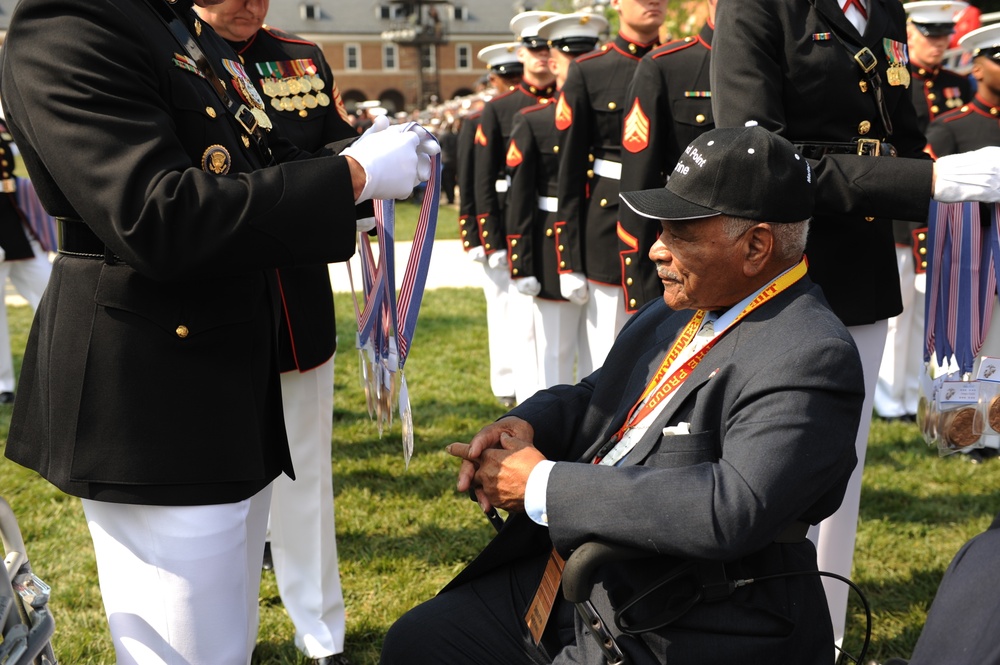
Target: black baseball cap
(745, 172)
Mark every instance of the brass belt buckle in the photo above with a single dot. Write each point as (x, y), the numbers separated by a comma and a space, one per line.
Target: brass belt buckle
(870, 147)
(866, 59)
(241, 113)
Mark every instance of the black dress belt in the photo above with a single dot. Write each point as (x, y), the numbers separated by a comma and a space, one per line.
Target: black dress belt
(76, 239)
(866, 147)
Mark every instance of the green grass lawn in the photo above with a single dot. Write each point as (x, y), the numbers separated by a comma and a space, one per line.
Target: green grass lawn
(403, 533)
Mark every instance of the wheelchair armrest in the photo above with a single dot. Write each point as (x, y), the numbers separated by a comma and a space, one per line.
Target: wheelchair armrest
(578, 574)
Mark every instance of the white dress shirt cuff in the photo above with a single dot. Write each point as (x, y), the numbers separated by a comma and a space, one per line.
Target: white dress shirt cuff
(534, 492)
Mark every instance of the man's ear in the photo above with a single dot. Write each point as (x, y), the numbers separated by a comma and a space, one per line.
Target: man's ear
(759, 249)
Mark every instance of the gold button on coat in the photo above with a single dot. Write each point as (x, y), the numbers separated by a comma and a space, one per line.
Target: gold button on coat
(210, 111)
(864, 127)
(513, 243)
(548, 233)
(700, 118)
(604, 203)
(182, 331)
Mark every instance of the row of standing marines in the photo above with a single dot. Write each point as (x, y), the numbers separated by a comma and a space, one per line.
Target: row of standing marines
(541, 165)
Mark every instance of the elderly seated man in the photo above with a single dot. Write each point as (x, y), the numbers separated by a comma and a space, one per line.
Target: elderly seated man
(713, 435)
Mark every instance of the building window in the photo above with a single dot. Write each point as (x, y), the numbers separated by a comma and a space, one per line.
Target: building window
(389, 57)
(352, 57)
(460, 13)
(384, 12)
(463, 56)
(310, 11)
(428, 57)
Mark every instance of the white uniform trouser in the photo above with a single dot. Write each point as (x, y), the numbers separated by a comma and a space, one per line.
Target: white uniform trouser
(303, 538)
(834, 536)
(180, 583)
(29, 277)
(520, 327)
(560, 333)
(496, 287)
(605, 317)
(896, 392)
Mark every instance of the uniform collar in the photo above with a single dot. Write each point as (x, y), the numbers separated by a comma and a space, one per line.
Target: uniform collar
(536, 91)
(922, 71)
(986, 109)
(707, 31)
(634, 48)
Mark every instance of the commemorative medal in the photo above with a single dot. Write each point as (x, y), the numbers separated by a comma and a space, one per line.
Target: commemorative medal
(322, 99)
(298, 103)
(293, 85)
(262, 119)
(309, 100)
(286, 104)
(317, 82)
(304, 85)
(276, 103)
(895, 53)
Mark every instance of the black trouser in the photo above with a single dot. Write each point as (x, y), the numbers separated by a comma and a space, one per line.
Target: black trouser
(479, 623)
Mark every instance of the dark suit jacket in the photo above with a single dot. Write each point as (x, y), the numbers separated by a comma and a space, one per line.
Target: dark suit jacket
(308, 333)
(773, 410)
(965, 610)
(779, 62)
(153, 377)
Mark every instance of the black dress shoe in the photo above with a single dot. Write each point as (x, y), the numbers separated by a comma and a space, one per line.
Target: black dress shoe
(335, 659)
(268, 563)
(6, 397)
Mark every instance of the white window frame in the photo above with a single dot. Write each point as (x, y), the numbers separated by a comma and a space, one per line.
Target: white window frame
(468, 57)
(356, 49)
(431, 53)
(390, 52)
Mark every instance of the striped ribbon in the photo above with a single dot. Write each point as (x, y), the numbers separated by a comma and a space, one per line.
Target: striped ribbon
(387, 322)
(42, 224)
(961, 280)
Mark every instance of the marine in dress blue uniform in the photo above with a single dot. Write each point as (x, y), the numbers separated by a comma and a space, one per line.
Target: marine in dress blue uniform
(537, 83)
(150, 384)
(533, 163)
(668, 105)
(302, 99)
(791, 66)
(589, 110)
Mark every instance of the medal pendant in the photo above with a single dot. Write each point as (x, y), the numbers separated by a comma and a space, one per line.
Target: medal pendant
(406, 420)
(904, 76)
(262, 120)
(293, 86)
(322, 99)
(317, 82)
(892, 75)
(304, 85)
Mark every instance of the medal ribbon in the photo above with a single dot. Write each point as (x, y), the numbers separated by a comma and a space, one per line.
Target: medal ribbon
(388, 344)
(961, 281)
(662, 386)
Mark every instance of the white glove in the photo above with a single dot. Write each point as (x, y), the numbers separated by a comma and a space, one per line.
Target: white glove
(573, 287)
(366, 224)
(497, 259)
(427, 148)
(477, 254)
(528, 286)
(968, 176)
(390, 161)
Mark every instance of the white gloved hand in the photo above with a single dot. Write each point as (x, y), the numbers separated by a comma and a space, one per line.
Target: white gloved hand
(968, 176)
(390, 161)
(528, 286)
(477, 254)
(427, 148)
(379, 124)
(573, 287)
(366, 224)
(497, 259)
